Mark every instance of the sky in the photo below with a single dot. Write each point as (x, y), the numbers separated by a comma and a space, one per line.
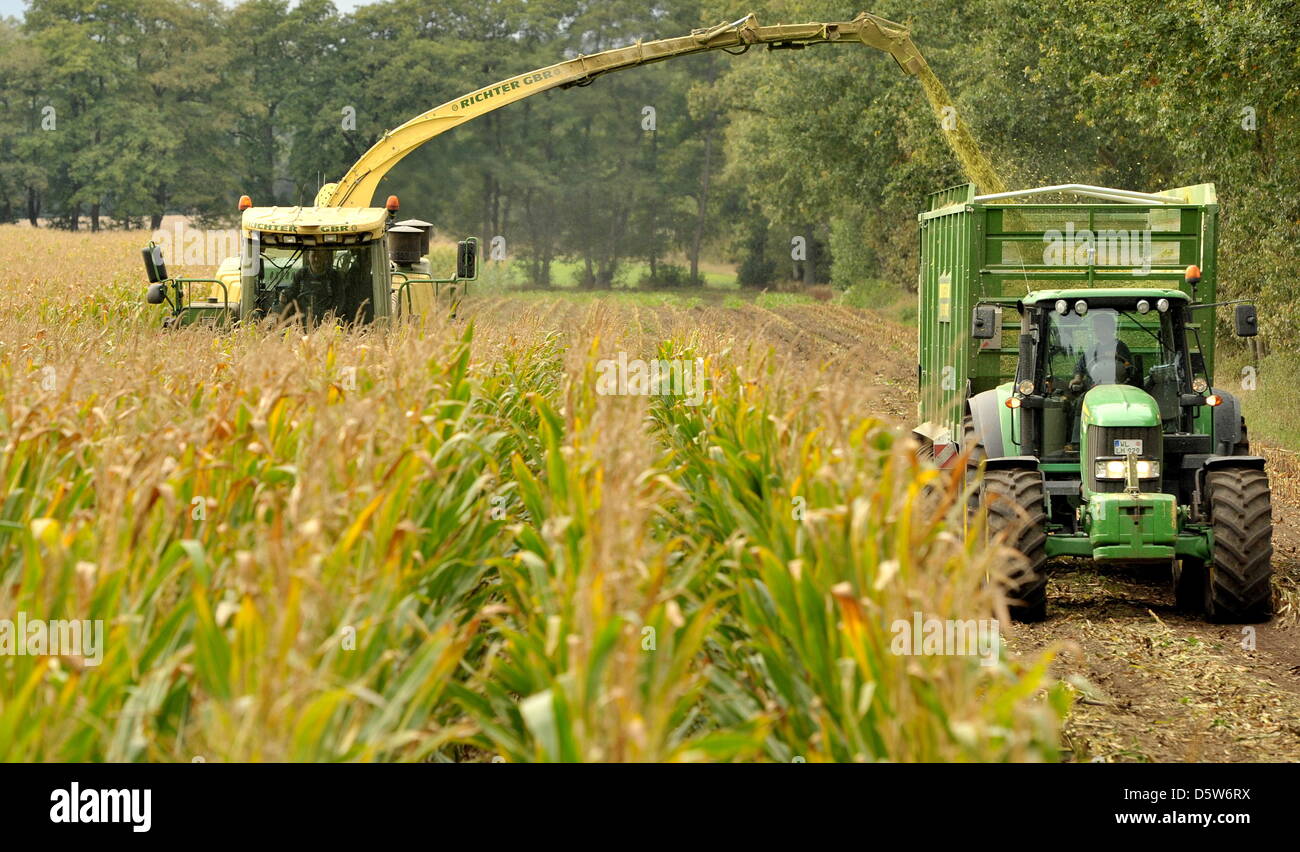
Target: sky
(14, 8)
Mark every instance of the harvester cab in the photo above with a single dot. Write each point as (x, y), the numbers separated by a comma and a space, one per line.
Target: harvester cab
(1080, 395)
(354, 264)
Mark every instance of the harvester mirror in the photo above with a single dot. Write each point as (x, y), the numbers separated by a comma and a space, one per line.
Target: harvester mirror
(467, 259)
(156, 294)
(1246, 321)
(983, 322)
(154, 265)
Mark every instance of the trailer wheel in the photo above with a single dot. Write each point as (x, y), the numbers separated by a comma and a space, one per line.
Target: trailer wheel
(1016, 513)
(1237, 585)
(970, 441)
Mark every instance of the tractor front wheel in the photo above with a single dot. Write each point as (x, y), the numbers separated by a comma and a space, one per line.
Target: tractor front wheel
(1237, 578)
(1017, 514)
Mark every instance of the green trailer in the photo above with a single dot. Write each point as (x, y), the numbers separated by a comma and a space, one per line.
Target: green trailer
(1067, 360)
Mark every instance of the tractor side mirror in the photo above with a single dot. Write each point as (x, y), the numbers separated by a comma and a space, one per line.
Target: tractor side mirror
(154, 265)
(467, 259)
(1246, 320)
(156, 294)
(983, 322)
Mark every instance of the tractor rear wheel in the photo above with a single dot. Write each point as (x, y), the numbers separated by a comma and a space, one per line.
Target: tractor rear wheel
(1237, 585)
(1017, 514)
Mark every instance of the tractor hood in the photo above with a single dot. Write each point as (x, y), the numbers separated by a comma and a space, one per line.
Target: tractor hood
(1119, 405)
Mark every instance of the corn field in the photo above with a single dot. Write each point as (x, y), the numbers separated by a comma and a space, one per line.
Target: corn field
(441, 541)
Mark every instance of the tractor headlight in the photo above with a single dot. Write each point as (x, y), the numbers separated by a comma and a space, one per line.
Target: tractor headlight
(1081, 307)
(1062, 307)
(1162, 306)
(1143, 306)
(1026, 387)
(1116, 468)
(1199, 385)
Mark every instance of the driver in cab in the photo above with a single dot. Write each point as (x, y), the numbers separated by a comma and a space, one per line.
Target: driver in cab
(1107, 361)
(316, 285)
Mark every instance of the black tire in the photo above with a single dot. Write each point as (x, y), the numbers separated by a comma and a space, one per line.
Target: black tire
(1238, 587)
(1017, 515)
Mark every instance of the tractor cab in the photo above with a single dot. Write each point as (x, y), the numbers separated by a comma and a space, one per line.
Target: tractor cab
(1090, 339)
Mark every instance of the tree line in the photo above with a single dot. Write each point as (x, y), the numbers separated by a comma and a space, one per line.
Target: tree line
(116, 112)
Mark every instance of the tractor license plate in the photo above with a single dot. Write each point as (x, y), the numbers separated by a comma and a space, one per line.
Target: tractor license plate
(1124, 446)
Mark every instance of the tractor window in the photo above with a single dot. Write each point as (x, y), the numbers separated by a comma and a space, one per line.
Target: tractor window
(317, 282)
(1108, 346)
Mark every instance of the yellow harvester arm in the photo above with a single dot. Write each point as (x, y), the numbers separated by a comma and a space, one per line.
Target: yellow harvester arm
(357, 188)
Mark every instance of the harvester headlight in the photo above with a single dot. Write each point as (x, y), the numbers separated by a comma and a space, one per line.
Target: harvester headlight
(1062, 307)
(1116, 469)
(1163, 306)
(1200, 385)
(1144, 307)
(1026, 387)
(1081, 307)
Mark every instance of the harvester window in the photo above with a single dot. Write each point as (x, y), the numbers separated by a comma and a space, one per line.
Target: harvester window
(317, 282)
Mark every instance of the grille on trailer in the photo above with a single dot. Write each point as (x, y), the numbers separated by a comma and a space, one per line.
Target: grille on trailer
(1101, 444)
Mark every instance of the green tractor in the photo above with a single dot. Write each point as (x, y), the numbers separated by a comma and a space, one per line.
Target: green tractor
(1080, 396)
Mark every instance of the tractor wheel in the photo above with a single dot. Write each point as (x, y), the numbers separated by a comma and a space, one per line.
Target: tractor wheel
(1016, 512)
(1237, 582)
